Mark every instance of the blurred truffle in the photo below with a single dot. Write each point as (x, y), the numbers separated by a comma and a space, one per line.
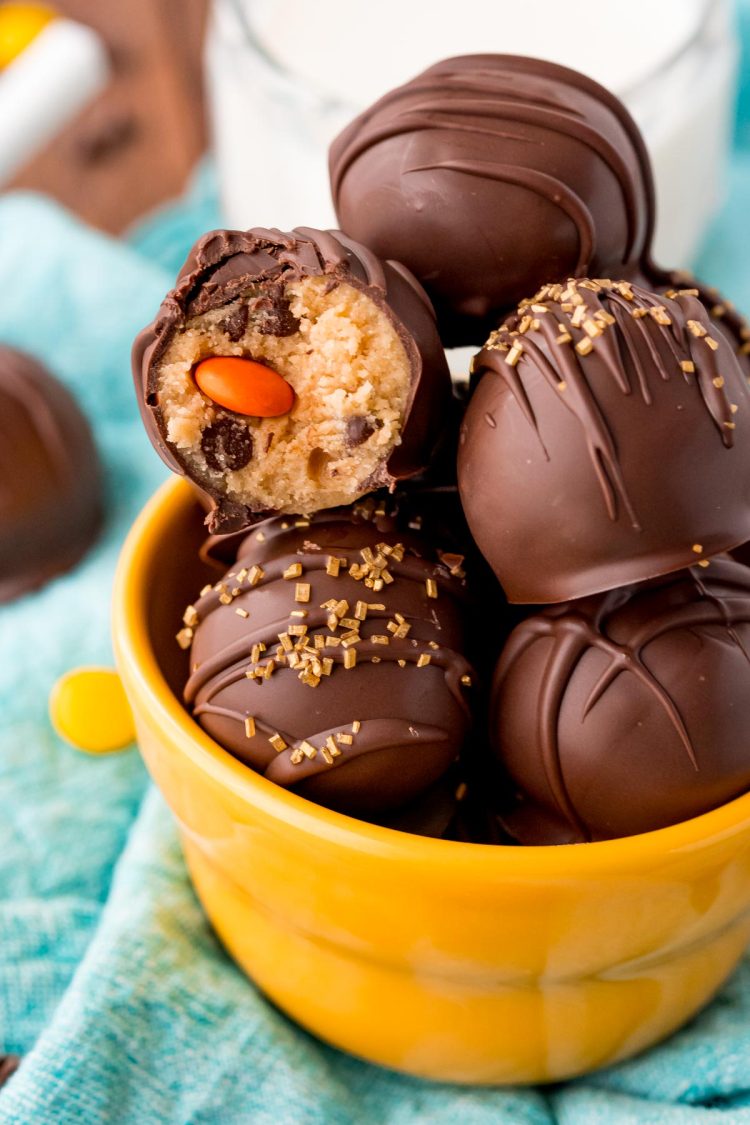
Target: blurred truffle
(331, 660)
(291, 373)
(50, 478)
(488, 175)
(606, 442)
(627, 711)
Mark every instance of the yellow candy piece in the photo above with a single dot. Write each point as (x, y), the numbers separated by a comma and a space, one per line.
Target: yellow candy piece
(89, 709)
(19, 26)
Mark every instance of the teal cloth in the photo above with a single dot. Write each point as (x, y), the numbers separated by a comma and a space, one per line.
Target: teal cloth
(112, 985)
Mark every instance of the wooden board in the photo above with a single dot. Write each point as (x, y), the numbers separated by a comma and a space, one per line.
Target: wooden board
(136, 145)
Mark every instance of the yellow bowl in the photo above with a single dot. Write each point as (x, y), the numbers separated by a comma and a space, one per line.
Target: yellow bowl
(453, 961)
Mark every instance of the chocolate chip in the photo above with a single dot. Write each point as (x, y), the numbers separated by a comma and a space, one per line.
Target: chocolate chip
(359, 429)
(227, 445)
(235, 324)
(273, 313)
(9, 1064)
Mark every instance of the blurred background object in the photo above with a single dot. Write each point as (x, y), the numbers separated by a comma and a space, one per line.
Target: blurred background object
(134, 144)
(282, 80)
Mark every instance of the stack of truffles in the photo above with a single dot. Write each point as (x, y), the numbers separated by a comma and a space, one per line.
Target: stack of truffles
(358, 645)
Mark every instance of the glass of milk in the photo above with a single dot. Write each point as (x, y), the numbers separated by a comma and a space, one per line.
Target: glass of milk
(283, 79)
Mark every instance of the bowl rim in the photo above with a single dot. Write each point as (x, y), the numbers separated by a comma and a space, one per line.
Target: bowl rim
(625, 855)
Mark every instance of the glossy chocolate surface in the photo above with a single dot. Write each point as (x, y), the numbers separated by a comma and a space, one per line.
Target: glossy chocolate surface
(367, 739)
(50, 478)
(489, 175)
(606, 442)
(627, 711)
(223, 264)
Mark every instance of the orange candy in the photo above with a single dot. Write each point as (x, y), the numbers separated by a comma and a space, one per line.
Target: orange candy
(244, 386)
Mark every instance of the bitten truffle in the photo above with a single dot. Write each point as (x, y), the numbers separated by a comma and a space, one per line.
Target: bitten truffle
(291, 373)
(488, 175)
(331, 660)
(627, 711)
(606, 441)
(50, 478)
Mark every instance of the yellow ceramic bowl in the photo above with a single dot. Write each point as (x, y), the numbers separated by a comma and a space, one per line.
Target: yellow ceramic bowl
(453, 961)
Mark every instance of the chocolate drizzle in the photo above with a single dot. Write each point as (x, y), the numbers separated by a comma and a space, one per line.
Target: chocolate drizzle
(398, 706)
(617, 386)
(546, 687)
(522, 129)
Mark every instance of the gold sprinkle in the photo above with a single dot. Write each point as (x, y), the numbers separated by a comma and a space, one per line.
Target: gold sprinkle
(190, 616)
(424, 660)
(514, 355)
(431, 587)
(584, 346)
(698, 548)
(277, 742)
(402, 663)
(225, 599)
(638, 314)
(332, 747)
(466, 681)
(350, 657)
(349, 639)
(697, 328)
(374, 659)
(718, 381)
(254, 575)
(241, 612)
(293, 571)
(345, 739)
(331, 642)
(308, 749)
(327, 755)
(341, 608)
(296, 756)
(260, 537)
(744, 350)
(561, 386)
(298, 613)
(333, 566)
(286, 642)
(356, 726)
(302, 592)
(591, 328)
(302, 523)
(297, 630)
(687, 366)
(704, 562)
(733, 407)
(380, 639)
(718, 311)
(713, 344)
(256, 651)
(185, 638)
(730, 425)
(660, 315)
(206, 590)
(326, 666)
(249, 727)
(376, 607)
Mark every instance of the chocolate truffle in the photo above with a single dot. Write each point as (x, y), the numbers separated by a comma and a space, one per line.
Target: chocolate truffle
(331, 379)
(50, 480)
(330, 659)
(606, 442)
(488, 175)
(627, 711)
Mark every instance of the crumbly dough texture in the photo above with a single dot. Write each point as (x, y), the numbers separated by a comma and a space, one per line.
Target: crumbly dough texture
(351, 376)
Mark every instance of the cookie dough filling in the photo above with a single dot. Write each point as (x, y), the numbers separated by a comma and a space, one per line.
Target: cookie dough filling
(349, 375)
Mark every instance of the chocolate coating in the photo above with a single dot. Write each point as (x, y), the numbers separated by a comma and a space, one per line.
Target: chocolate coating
(225, 263)
(414, 715)
(627, 711)
(50, 479)
(606, 442)
(489, 175)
